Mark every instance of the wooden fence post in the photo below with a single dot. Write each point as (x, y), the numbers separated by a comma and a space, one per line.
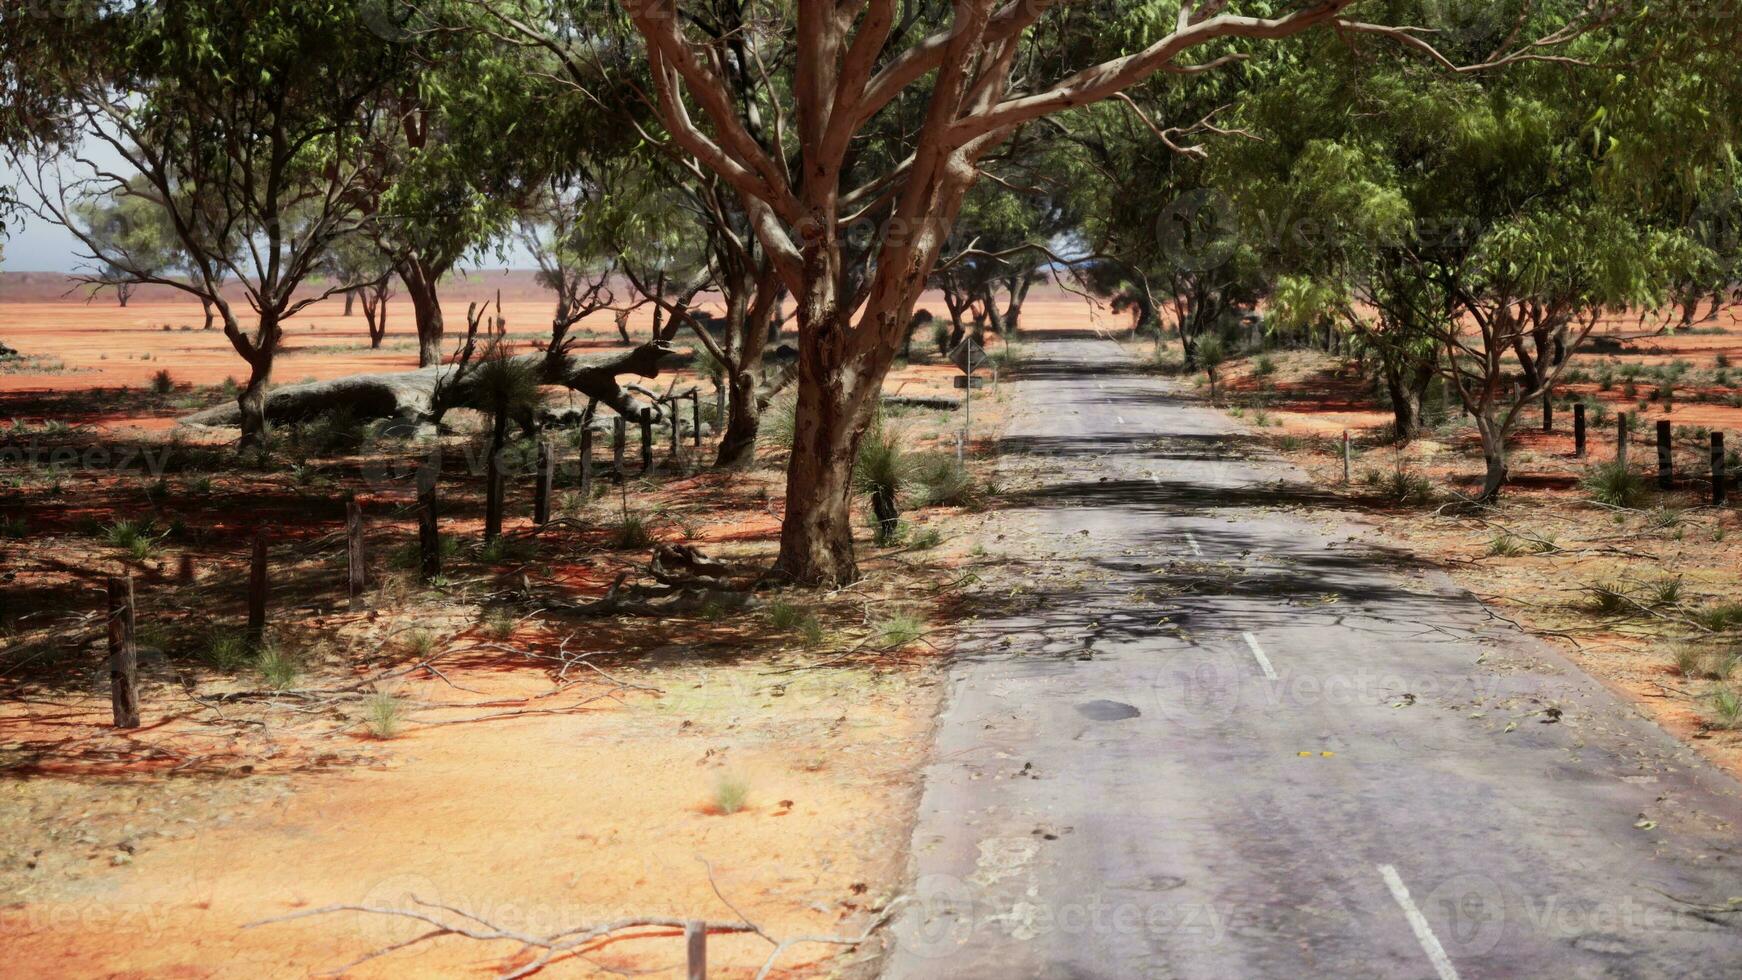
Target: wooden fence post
(428, 534)
(123, 657)
(696, 416)
(257, 591)
(646, 445)
(1346, 457)
(1547, 412)
(619, 436)
(695, 936)
(587, 464)
(1720, 491)
(354, 552)
(1621, 438)
(541, 489)
(1665, 456)
(676, 430)
(1579, 430)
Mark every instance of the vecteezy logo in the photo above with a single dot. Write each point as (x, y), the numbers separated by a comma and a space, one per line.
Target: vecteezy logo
(1198, 230)
(1204, 692)
(390, 20)
(939, 919)
(1468, 912)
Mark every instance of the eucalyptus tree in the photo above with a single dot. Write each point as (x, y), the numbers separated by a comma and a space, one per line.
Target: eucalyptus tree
(1478, 223)
(132, 237)
(973, 73)
(244, 122)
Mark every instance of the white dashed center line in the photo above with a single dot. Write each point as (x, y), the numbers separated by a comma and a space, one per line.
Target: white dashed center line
(1424, 933)
(1193, 542)
(1258, 652)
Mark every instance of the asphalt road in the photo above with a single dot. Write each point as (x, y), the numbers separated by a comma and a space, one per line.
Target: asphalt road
(1202, 726)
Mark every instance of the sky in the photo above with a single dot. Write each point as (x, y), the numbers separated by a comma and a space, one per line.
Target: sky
(35, 245)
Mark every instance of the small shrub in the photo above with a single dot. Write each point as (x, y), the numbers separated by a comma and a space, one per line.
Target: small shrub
(278, 667)
(507, 550)
(498, 624)
(161, 382)
(940, 337)
(898, 631)
(1405, 486)
(1505, 545)
(880, 472)
(730, 794)
(1666, 592)
(925, 539)
(1615, 484)
(420, 643)
(1264, 367)
(944, 482)
(631, 533)
(383, 715)
(1607, 598)
(1727, 706)
(1721, 617)
(780, 422)
(225, 650)
(1697, 662)
(1665, 517)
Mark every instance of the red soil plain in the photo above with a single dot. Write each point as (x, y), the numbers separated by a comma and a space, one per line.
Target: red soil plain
(544, 771)
(540, 771)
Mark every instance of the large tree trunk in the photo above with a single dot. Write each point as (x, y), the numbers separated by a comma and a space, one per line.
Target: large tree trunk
(350, 303)
(837, 390)
(426, 305)
(251, 402)
(211, 313)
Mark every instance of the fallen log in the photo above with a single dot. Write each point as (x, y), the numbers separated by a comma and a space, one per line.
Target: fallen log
(425, 393)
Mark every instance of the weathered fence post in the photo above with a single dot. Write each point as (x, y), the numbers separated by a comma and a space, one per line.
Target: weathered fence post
(587, 463)
(354, 552)
(1665, 456)
(1547, 412)
(257, 591)
(696, 416)
(1720, 491)
(646, 445)
(695, 936)
(123, 657)
(1346, 455)
(676, 429)
(541, 489)
(1621, 438)
(1579, 430)
(495, 490)
(428, 535)
(619, 436)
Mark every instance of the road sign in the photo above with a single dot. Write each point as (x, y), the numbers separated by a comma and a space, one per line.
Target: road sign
(968, 356)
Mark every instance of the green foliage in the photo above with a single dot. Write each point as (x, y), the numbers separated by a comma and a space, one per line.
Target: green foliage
(1615, 484)
(731, 794)
(943, 481)
(278, 666)
(383, 715)
(896, 631)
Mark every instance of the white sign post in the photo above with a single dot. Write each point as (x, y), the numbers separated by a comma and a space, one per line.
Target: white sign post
(968, 356)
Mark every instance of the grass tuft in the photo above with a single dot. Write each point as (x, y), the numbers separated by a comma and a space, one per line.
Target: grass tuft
(383, 715)
(730, 794)
(1615, 484)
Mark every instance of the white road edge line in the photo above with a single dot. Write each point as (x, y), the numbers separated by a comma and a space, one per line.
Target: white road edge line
(1424, 933)
(1258, 652)
(1194, 543)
